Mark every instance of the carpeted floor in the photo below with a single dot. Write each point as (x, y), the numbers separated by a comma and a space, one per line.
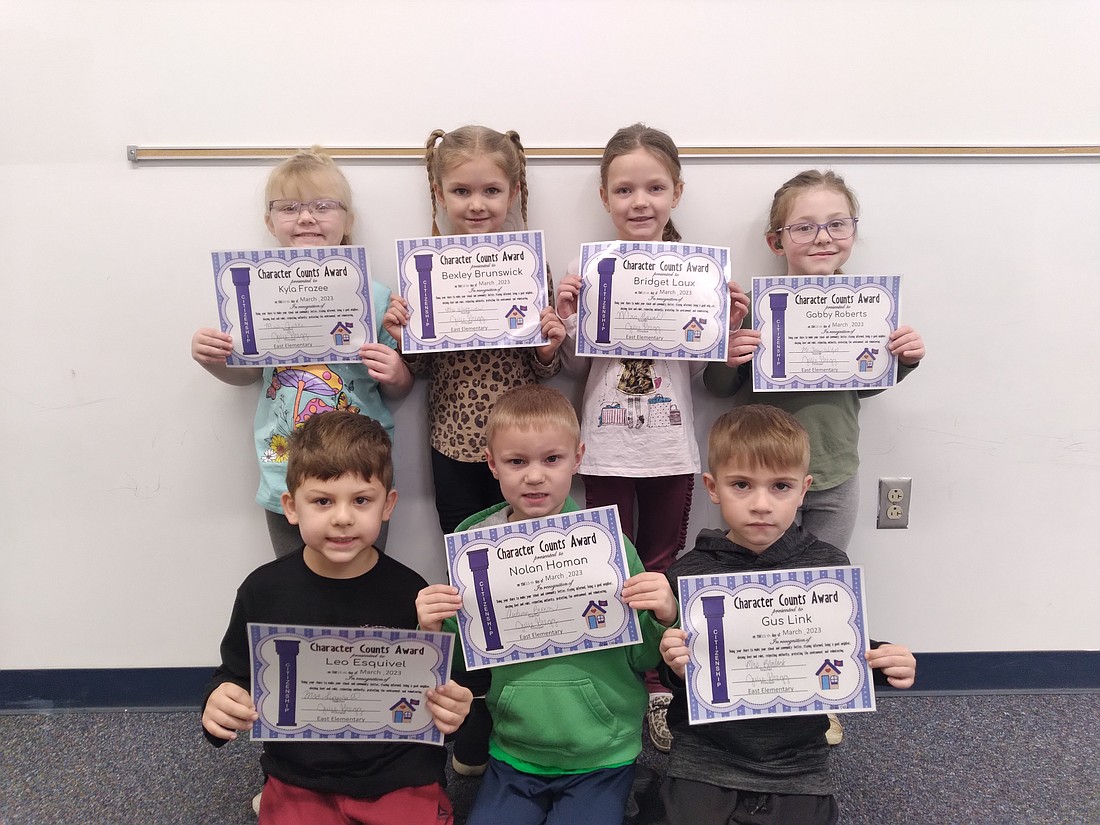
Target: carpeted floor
(997, 759)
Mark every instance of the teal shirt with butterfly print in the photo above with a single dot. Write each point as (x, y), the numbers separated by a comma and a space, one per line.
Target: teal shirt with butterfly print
(290, 395)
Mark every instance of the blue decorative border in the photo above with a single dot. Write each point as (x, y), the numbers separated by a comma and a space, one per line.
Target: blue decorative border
(717, 255)
(181, 689)
(357, 255)
(859, 698)
(442, 643)
(529, 239)
(604, 518)
(890, 286)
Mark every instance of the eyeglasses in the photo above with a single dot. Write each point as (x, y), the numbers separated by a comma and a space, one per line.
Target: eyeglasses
(320, 209)
(839, 229)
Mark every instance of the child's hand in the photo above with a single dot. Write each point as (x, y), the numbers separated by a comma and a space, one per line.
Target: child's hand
(435, 603)
(674, 650)
(739, 306)
(651, 591)
(554, 330)
(569, 292)
(210, 346)
(449, 705)
(386, 366)
(228, 710)
(896, 662)
(396, 317)
(907, 345)
(743, 344)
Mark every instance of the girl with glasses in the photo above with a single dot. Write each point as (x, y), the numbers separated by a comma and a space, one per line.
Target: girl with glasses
(308, 203)
(812, 224)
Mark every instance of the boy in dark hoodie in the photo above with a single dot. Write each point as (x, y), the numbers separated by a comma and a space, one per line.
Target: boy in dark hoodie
(759, 770)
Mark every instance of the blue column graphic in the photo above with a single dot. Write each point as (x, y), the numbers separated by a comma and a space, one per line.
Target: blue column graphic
(779, 334)
(244, 308)
(287, 651)
(714, 608)
(606, 268)
(424, 281)
(479, 566)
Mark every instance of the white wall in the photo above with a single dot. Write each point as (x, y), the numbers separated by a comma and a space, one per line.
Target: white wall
(127, 475)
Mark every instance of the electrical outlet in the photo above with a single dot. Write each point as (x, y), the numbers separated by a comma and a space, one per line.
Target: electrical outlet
(894, 495)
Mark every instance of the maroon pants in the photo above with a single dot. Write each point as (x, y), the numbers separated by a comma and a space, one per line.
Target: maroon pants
(664, 506)
(283, 804)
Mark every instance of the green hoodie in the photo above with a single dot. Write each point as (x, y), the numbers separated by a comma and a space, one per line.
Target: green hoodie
(571, 714)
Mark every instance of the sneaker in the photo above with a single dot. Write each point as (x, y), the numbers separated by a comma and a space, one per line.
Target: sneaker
(256, 803)
(657, 717)
(462, 769)
(835, 734)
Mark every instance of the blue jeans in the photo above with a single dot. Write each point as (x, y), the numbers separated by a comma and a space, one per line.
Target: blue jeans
(511, 797)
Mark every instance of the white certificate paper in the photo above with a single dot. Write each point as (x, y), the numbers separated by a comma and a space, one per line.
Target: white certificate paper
(653, 300)
(776, 644)
(542, 588)
(300, 305)
(826, 333)
(473, 291)
(323, 684)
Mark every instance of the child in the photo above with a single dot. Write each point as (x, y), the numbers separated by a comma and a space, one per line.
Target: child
(649, 460)
(478, 183)
(308, 202)
(566, 731)
(338, 494)
(776, 769)
(813, 225)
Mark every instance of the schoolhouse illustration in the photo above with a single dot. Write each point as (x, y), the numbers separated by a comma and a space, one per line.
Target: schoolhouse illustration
(693, 329)
(866, 359)
(341, 333)
(402, 710)
(595, 614)
(515, 316)
(829, 674)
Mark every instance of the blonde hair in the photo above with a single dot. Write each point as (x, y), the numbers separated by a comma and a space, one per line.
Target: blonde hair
(658, 144)
(802, 182)
(338, 443)
(758, 436)
(532, 407)
(445, 150)
(310, 171)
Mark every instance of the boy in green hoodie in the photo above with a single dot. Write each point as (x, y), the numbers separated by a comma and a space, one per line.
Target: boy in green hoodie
(566, 730)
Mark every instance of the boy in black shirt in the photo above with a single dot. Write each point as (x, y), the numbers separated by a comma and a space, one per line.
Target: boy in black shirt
(768, 771)
(339, 481)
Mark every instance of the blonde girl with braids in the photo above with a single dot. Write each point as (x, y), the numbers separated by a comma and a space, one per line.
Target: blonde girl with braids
(307, 202)
(477, 181)
(644, 463)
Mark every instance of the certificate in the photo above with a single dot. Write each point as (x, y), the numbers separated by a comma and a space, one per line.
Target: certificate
(653, 300)
(300, 305)
(323, 684)
(775, 644)
(473, 291)
(542, 588)
(826, 333)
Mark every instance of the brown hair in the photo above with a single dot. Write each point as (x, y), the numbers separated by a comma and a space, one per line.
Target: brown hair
(809, 179)
(337, 443)
(310, 170)
(447, 149)
(758, 435)
(658, 144)
(532, 407)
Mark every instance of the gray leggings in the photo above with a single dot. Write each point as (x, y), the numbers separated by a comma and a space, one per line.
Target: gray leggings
(831, 514)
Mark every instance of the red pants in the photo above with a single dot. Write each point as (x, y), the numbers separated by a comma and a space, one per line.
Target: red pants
(283, 804)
